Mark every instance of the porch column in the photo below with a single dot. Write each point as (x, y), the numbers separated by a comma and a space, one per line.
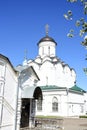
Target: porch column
(30, 117)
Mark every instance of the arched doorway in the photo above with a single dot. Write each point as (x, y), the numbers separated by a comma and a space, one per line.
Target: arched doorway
(28, 101)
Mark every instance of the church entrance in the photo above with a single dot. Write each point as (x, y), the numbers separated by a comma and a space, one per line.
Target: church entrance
(25, 112)
(28, 105)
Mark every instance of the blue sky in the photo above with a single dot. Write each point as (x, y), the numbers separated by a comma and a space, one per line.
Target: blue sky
(22, 25)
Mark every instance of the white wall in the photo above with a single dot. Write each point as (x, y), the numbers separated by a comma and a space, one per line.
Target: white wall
(54, 74)
(70, 104)
(8, 97)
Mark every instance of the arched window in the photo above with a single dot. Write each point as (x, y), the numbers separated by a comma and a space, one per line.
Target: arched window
(39, 104)
(55, 104)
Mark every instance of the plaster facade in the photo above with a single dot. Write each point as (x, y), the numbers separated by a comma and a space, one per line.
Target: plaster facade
(57, 81)
(46, 77)
(18, 92)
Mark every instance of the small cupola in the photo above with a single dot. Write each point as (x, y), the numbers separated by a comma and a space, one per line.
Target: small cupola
(47, 45)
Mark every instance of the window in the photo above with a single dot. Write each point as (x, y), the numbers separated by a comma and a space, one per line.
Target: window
(1, 87)
(39, 104)
(49, 50)
(82, 108)
(55, 104)
(42, 50)
(1, 69)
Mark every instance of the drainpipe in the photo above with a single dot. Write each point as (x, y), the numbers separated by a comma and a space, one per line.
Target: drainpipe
(67, 91)
(16, 104)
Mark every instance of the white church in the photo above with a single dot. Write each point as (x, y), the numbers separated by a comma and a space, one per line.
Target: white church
(61, 95)
(44, 86)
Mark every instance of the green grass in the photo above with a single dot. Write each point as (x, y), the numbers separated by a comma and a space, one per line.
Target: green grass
(49, 117)
(83, 116)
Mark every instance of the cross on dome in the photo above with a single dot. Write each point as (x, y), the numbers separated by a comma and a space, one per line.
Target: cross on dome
(25, 54)
(47, 29)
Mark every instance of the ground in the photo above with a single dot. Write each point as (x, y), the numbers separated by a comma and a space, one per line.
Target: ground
(75, 124)
(69, 124)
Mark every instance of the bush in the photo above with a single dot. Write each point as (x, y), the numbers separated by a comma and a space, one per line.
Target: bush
(84, 116)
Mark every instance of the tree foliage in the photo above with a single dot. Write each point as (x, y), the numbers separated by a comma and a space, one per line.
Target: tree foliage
(81, 22)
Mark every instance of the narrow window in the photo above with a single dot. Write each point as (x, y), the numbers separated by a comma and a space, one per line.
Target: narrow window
(55, 104)
(82, 109)
(39, 104)
(49, 50)
(1, 69)
(42, 50)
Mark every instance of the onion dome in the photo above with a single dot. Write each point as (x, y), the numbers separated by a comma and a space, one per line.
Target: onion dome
(46, 38)
(47, 45)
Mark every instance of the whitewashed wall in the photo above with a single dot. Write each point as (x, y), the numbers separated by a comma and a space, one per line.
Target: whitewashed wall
(54, 74)
(68, 104)
(52, 71)
(8, 96)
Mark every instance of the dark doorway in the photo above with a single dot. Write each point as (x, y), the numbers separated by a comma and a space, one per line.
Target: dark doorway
(25, 112)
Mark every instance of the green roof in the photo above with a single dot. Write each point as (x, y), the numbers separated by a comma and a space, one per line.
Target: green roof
(49, 87)
(76, 88)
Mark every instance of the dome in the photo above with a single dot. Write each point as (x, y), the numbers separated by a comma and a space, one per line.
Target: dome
(46, 38)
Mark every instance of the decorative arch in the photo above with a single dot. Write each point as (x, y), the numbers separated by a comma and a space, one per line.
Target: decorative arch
(66, 69)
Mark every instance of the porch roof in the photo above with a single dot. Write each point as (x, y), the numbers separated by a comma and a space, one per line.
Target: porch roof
(32, 92)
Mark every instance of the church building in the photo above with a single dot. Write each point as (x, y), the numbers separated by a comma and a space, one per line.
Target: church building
(44, 86)
(61, 95)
